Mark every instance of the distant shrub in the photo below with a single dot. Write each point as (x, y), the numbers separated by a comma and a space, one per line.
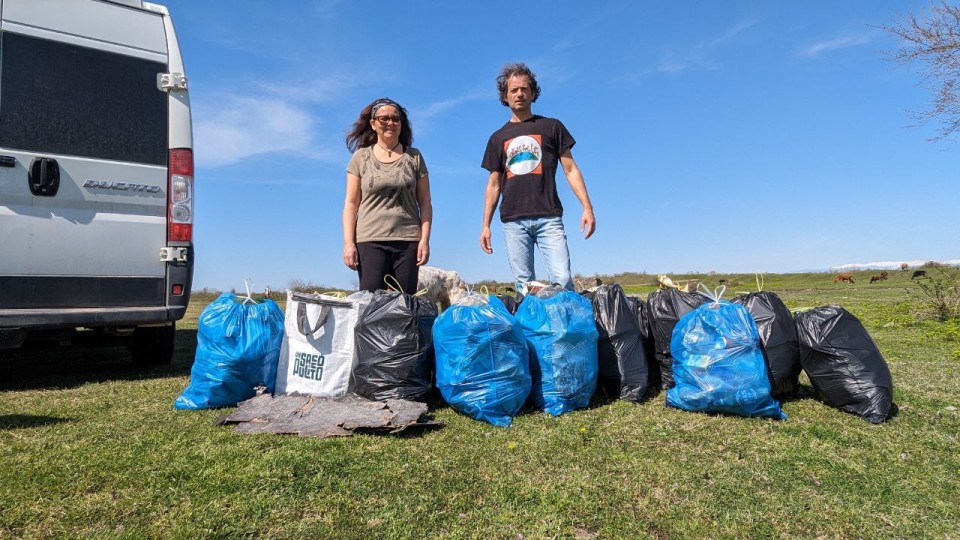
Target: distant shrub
(298, 285)
(941, 292)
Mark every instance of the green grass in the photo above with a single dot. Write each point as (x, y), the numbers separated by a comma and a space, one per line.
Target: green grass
(91, 448)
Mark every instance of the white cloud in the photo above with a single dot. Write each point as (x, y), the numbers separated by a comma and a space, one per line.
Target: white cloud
(235, 127)
(668, 65)
(444, 105)
(818, 49)
(732, 32)
(319, 90)
(702, 54)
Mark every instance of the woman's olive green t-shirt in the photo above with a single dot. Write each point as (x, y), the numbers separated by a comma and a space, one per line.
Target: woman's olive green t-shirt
(388, 203)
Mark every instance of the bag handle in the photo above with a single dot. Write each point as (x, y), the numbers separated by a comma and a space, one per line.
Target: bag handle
(714, 294)
(303, 322)
(394, 285)
(248, 298)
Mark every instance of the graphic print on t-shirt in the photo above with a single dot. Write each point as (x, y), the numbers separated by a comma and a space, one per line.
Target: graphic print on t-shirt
(524, 155)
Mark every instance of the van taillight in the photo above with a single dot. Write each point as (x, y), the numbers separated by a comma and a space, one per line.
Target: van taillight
(180, 198)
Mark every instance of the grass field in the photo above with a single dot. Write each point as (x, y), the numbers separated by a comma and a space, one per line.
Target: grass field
(91, 448)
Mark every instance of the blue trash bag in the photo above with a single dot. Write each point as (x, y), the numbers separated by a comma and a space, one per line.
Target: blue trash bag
(238, 346)
(483, 364)
(562, 335)
(718, 365)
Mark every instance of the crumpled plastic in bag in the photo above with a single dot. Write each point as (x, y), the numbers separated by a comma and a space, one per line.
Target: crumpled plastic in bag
(717, 364)
(562, 335)
(238, 346)
(483, 364)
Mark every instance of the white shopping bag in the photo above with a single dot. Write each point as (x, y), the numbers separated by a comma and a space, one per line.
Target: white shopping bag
(317, 355)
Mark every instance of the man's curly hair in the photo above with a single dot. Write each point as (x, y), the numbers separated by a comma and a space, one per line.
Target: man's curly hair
(521, 70)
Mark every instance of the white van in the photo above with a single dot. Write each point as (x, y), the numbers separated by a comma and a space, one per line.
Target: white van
(96, 175)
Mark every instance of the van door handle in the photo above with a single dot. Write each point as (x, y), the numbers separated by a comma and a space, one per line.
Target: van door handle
(8, 161)
(44, 177)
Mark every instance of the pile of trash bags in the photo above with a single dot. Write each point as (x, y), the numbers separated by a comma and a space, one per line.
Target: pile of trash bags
(489, 356)
(490, 362)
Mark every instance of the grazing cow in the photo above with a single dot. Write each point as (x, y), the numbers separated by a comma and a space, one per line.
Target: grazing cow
(874, 279)
(904, 266)
(918, 273)
(884, 275)
(847, 278)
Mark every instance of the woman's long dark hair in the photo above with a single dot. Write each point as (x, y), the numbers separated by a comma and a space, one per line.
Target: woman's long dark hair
(361, 135)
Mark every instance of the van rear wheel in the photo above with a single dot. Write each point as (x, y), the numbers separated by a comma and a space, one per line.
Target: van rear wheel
(153, 345)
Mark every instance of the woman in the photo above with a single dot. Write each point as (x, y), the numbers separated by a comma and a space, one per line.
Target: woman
(387, 211)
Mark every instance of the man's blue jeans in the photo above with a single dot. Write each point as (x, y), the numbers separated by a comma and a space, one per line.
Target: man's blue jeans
(547, 233)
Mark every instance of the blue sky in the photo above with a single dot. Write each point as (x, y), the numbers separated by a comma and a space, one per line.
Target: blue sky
(743, 136)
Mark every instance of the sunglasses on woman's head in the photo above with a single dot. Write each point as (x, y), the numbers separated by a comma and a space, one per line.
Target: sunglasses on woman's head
(384, 119)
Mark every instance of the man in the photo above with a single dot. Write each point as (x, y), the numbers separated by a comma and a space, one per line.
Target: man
(522, 158)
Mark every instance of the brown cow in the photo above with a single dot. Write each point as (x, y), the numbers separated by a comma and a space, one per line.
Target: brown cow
(874, 279)
(848, 278)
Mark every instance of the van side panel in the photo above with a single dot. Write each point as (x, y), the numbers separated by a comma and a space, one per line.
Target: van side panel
(96, 21)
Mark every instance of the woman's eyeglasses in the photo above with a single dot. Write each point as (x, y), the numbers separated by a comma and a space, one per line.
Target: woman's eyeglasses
(384, 120)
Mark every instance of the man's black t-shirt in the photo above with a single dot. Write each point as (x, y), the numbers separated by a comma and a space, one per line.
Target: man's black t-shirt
(526, 156)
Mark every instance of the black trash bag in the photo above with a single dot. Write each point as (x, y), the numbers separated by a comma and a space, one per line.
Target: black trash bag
(510, 302)
(394, 343)
(642, 310)
(667, 306)
(778, 340)
(623, 364)
(844, 364)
